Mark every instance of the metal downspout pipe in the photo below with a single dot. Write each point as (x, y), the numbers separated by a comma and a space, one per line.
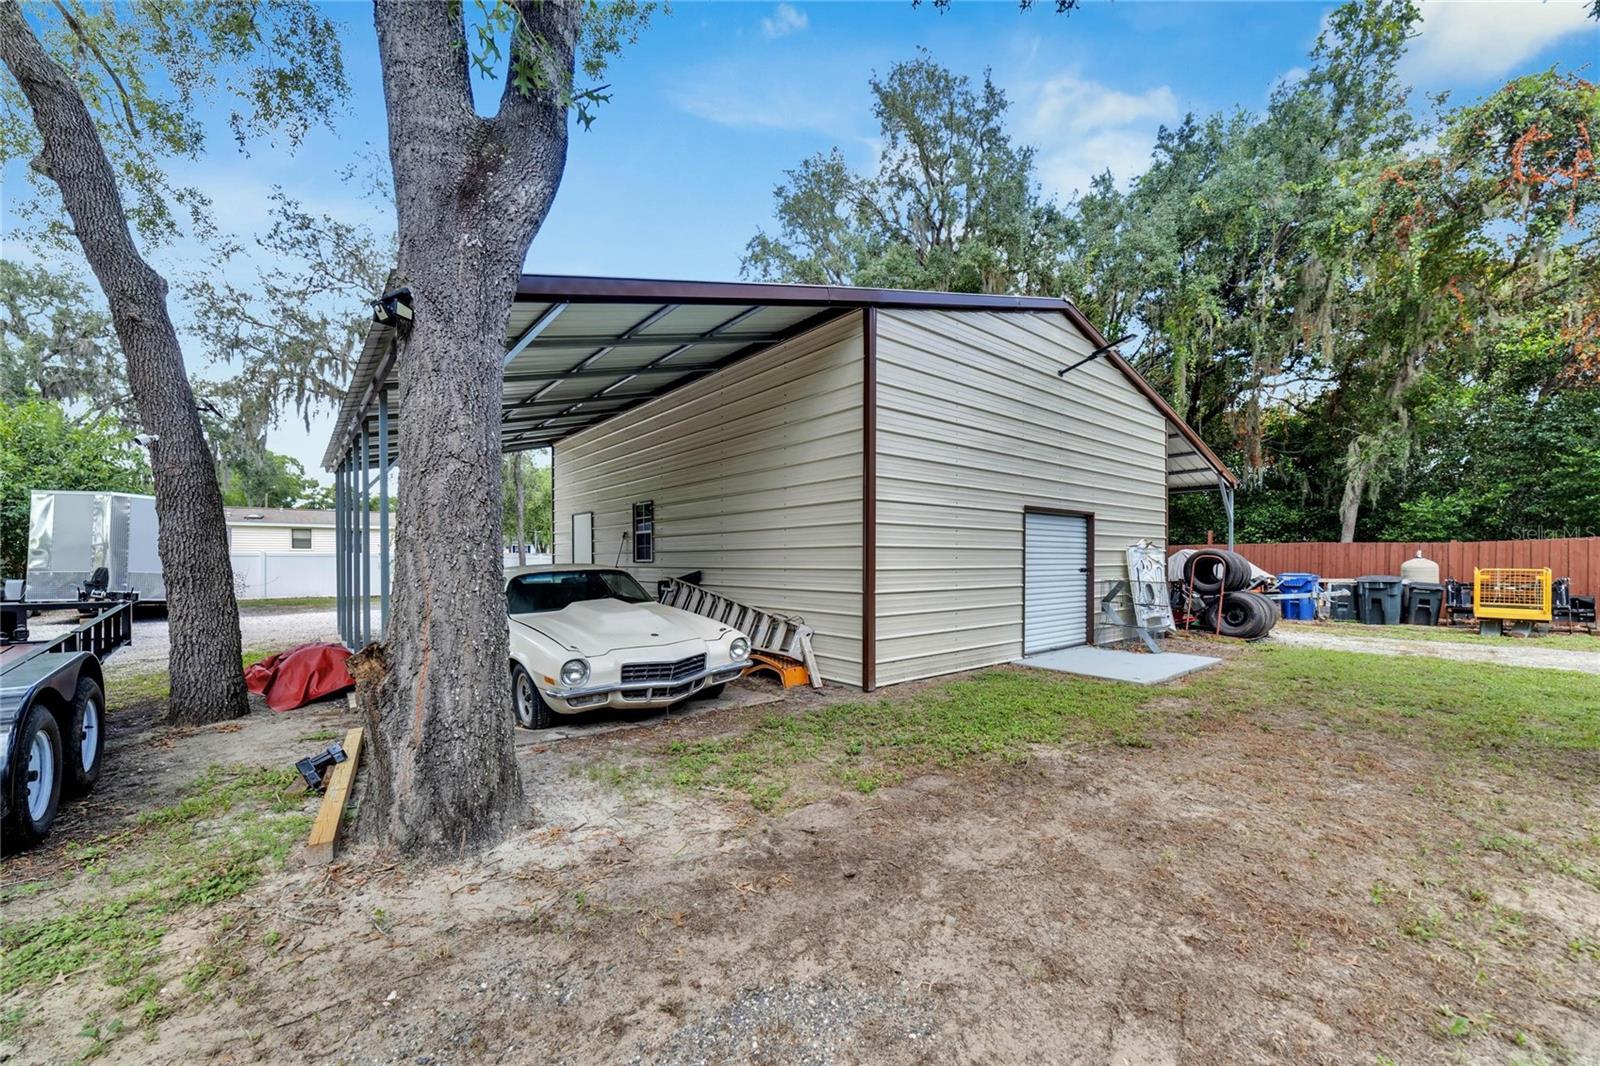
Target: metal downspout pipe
(1227, 506)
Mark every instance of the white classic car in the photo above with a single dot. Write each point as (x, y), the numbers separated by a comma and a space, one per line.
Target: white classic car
(584, 637)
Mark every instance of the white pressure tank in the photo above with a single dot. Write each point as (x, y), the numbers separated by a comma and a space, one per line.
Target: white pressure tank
(1420, 570)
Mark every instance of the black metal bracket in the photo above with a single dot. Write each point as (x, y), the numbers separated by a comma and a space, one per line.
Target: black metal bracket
(393, 308)
(1097, 353)
(312, 768)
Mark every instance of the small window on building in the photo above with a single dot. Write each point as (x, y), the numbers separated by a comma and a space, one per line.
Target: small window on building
(300, 539)
(644, 532)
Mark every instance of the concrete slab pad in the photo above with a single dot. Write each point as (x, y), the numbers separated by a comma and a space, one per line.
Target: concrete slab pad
(1111, 665)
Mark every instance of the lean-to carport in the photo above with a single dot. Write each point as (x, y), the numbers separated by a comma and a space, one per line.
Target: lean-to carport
(581, 350)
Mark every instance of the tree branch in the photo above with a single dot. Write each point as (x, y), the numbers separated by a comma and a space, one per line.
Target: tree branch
(105, 64)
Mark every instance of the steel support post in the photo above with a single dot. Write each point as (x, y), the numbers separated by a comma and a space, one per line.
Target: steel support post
(347, 559)
(366, 534)
(383, 512)
(338, 549)
(1227, 507)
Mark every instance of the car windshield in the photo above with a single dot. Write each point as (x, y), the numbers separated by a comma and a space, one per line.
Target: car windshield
(551, 590)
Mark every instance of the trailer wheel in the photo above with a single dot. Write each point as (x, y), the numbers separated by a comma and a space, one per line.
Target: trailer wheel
(85, 742)
(36, 785)
(526, 702)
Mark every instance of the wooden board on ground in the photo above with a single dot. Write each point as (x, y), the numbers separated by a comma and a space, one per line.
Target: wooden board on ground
(319, 849)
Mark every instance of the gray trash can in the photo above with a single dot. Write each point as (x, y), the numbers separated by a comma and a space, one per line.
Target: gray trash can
(1378, 599)
(1424, 603)
(1342, 601)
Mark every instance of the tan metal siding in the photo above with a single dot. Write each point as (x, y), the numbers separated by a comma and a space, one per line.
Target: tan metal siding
(973, 426)
(755, 473)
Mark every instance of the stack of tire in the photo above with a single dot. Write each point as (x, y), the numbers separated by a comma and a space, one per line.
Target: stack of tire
(1221, 580)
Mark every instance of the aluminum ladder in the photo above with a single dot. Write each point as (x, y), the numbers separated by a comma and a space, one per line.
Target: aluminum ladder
(776, 634)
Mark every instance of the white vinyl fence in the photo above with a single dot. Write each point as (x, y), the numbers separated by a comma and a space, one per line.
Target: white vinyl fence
(268, 575)
(264, 575)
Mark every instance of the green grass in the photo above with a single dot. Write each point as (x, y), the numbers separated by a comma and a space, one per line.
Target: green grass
(153, 686)
(290, 601)
(863, 746)
(1441, 703)
(1456, 707)
(227, 829)
(1456, 635)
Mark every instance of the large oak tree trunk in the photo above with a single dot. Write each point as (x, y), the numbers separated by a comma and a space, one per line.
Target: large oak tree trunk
(203, 618)
(1355, 489)
(470, 194)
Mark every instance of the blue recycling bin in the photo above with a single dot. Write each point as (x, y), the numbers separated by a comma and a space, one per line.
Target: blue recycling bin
(1300, 592)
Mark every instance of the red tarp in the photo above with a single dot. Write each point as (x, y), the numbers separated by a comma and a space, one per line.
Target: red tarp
(300, 675)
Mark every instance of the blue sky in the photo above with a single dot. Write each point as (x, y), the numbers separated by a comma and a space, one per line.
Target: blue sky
(717, 99)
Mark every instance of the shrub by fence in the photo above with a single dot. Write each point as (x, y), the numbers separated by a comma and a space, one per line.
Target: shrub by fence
(1574, 557)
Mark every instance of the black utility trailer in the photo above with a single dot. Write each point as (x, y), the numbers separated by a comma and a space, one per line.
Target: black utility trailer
(53, 711)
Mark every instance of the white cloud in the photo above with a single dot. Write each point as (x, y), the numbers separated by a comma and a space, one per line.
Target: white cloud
(784, 21)
(1291, 76)
(1465, 40)
(747, 93)
(1082, 127)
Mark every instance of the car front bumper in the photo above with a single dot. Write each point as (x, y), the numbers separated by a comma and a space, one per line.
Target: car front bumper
(641, 695)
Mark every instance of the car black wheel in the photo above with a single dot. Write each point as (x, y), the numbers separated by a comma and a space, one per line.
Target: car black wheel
(85, 741)
(529, 706)
(36, 784)
(711, 692)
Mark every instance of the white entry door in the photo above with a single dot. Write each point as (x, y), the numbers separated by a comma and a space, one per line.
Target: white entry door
(1055, 581)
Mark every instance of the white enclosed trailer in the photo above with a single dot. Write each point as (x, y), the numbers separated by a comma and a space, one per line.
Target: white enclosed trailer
(71, 535)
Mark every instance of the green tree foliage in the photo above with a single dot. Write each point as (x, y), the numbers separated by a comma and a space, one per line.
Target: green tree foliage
(952, 205)
(56, 345)
(538, 502)
(292, 336)
(267, 479)
(147, 69)
(1328, 290)
(41, 447)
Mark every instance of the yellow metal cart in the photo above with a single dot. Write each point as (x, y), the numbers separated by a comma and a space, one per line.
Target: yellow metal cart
(1519, 596)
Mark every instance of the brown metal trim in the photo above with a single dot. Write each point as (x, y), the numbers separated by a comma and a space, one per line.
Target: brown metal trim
(579, 288)
(1077, 318)
(869, 498)
(1088, 614)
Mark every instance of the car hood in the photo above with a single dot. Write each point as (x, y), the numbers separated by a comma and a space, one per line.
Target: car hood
(596, 627)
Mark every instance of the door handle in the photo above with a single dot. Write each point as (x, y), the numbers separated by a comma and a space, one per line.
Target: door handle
(1083, 569)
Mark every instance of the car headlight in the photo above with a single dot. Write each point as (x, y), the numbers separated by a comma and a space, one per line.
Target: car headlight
(740, 648)
(574, 672)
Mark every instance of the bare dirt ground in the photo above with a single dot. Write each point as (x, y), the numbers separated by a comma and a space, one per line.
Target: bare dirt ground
(1504, 652)
(1247, 888)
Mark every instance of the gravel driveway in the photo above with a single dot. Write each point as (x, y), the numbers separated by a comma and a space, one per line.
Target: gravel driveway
(262, 630)
(1504, 652)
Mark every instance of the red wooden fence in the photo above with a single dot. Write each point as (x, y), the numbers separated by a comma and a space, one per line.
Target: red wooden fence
(1574, 557)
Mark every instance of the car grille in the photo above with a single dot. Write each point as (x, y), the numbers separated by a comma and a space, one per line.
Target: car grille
(632, 672)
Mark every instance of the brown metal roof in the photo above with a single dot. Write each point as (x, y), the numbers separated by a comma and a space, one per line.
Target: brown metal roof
(581, 350)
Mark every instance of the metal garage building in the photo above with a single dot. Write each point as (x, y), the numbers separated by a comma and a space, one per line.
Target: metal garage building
(908, 471)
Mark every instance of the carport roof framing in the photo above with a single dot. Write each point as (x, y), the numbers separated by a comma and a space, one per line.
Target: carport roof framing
(581, 350)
